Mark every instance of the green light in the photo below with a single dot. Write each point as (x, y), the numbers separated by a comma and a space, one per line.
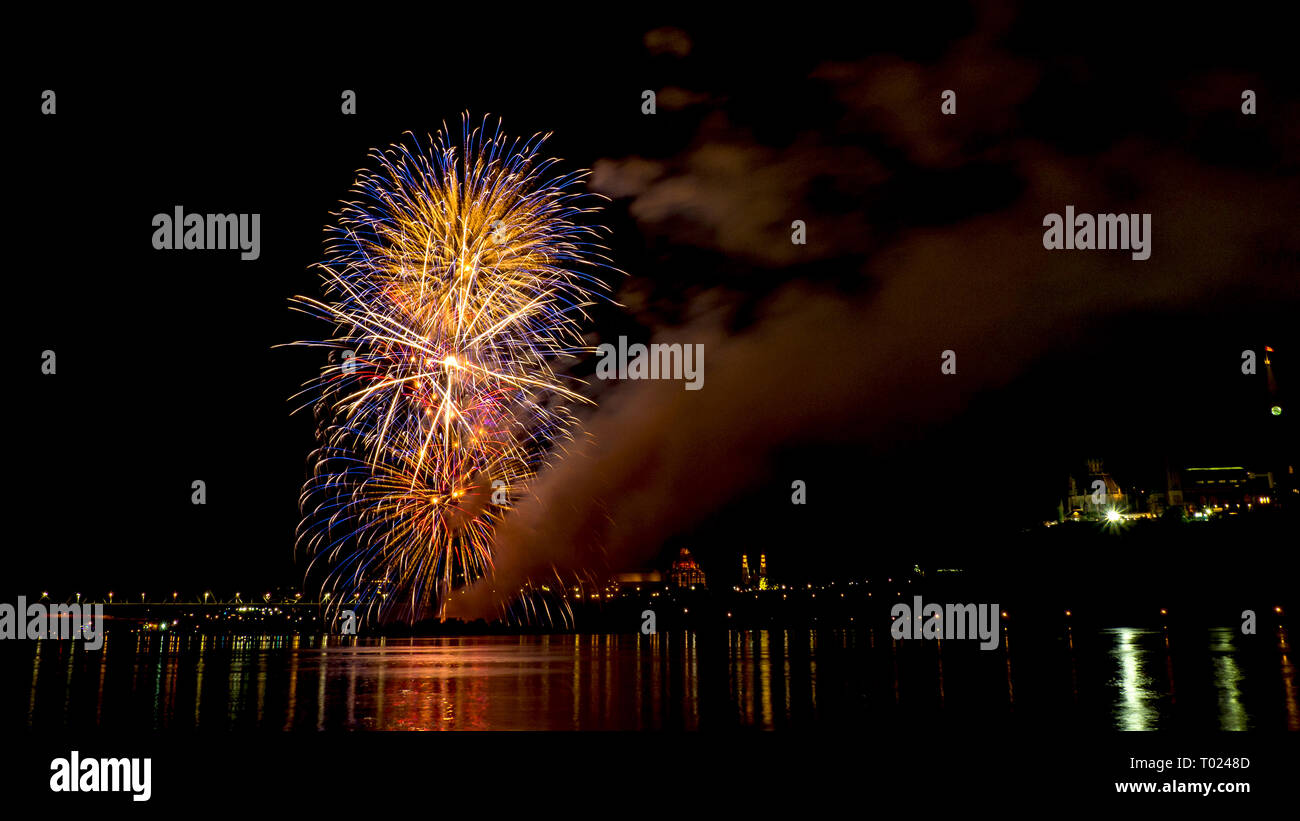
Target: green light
(1277, 410)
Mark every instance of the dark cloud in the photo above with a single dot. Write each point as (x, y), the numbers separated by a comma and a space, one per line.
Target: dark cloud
(816, 365)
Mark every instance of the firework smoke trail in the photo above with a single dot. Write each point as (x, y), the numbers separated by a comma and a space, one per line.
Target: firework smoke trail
(453, 279)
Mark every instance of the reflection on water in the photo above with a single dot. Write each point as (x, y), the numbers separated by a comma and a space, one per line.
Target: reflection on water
(1288, 682)
(1134, 710)
(1227, 675)
(1214, 678)
(767, 679)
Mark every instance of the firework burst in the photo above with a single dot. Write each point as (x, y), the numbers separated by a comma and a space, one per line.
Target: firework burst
(453, 278)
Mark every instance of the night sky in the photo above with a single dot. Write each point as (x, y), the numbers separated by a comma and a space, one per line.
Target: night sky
(821, 360)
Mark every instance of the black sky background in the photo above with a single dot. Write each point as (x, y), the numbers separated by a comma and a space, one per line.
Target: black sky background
(167, 370)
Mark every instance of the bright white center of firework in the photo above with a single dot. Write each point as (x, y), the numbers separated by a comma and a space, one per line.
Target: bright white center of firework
(450, 361)
(1112, 516)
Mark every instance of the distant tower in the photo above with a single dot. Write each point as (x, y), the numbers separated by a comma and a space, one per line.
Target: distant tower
(1282, 474)
(1115, 498)
(744, 571)
(762, 572)
(1173, 487)
(1274, 407)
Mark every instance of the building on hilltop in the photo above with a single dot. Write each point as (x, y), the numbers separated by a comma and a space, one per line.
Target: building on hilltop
(686, 571)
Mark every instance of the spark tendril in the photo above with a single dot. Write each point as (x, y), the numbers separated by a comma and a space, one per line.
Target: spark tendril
(453, 278)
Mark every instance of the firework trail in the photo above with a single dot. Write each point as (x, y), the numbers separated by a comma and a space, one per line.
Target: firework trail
(453, 278)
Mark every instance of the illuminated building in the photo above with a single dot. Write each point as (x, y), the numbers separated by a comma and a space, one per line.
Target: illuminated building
(642, 581)
(1230, 488)
(686, 572)
(1097, 494)
(751, 578)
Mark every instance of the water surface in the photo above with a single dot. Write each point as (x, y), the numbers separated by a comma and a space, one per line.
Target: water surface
(1122, 678)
